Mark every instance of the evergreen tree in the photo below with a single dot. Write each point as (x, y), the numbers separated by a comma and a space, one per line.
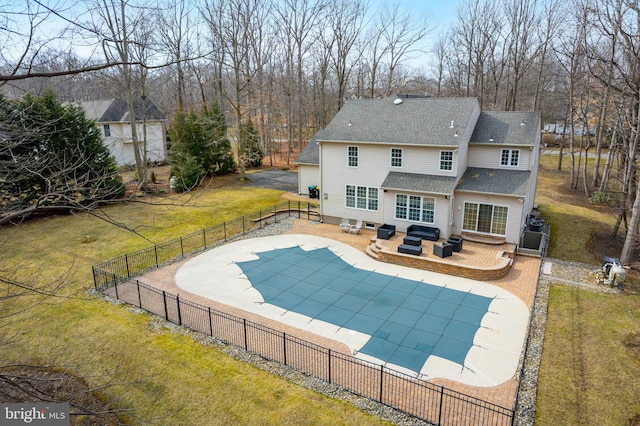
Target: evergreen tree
(199, 147)
(186, 166)
(220, 160)
(254, 154)
(51, 157)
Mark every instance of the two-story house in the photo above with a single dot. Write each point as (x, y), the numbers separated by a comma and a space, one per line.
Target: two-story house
(112, 117)
(440, 162)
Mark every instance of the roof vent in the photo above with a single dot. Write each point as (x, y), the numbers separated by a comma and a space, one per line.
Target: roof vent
(397, 101)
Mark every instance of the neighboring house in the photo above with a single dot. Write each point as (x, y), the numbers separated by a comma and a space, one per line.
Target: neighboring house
(431, 161)
(113, 120)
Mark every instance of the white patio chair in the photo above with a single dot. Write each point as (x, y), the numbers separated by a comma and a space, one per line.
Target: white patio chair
(344, 225)
(355, 229)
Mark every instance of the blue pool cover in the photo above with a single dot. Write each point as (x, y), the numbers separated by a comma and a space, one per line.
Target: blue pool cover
(408, 320)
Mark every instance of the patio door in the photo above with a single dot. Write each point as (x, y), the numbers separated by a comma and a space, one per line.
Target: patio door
(485, 218)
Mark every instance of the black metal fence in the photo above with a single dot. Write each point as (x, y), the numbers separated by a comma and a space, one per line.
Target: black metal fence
(145, 260)
(424, 400)
(433, 403)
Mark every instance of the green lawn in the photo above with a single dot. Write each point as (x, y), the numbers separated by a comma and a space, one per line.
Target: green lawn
(588, 375)
(161, 376)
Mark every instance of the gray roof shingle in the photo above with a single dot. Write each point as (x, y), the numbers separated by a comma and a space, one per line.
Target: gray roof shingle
(311, 153)
(116, 110)
(495, 181)
(415, 121)
(419, 182)
(507, 127)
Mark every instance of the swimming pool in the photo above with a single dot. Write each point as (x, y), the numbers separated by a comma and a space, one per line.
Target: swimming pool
(430, 324)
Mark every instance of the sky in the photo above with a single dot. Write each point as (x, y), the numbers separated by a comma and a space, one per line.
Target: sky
(440, 14)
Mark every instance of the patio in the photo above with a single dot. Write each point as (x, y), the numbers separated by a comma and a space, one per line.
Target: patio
(520, 278)
(476, 260)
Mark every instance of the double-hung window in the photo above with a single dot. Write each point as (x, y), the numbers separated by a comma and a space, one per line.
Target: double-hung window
(361, 197)
(510, 157)
(446, 160)
(352, 155)
(396, 157)
(415, 208)
(107, 130)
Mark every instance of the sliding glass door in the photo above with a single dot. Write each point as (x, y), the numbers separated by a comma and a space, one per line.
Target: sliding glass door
(485, 218)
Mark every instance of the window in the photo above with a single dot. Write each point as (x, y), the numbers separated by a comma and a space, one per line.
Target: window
(485, 218)
(510, 157)
(396, 157)
(107, 130)
(361, 197)
(415, 208)
(352, 153)
(446, 160)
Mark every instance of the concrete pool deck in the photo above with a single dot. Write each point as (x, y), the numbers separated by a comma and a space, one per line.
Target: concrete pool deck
(492, 359)
(521, 281)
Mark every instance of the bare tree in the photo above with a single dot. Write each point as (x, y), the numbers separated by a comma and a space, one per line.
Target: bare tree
(237, 27)
(118, 22)
(300, 27)
(173, 23)
(345, 22)
(402, 37)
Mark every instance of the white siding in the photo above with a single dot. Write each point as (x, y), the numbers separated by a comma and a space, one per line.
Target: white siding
(308, 175)
(121, 146)
(441, 216)
(515, 220)
(371, 172)
(488, 156)
(463, 153)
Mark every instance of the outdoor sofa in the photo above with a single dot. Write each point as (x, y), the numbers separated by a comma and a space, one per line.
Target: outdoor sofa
(425, 232)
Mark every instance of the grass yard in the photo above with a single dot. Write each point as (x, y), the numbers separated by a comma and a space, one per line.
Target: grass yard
(590, 370)
(156, 374)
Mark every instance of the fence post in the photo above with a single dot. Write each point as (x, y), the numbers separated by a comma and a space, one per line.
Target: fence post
(166, 311)
(243, 227)
(244, 325)
(116, 286)
(210, 324)
(260, 217)
(284, 347)
(181, 249)
(95, 280)
(178, 306)
(441, 403)
(381, 378)
(224, 227)
(155, 249)
(204, 238)
(299, 214)
(139, 298)
(329, 379)
(126, 261)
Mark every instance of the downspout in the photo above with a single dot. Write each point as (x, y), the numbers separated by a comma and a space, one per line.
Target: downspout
(321, 192)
